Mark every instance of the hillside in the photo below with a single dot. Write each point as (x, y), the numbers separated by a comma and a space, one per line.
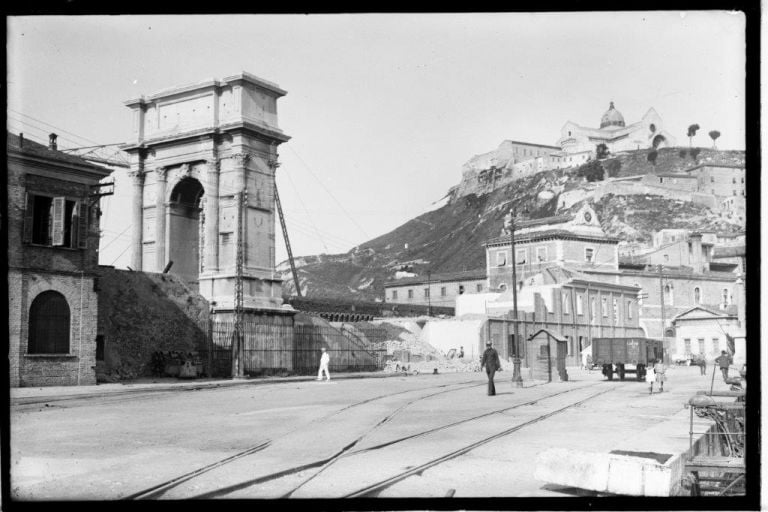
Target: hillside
(450, 238)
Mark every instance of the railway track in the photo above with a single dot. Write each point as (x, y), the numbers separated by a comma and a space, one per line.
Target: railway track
(160, 489)
(288, 477)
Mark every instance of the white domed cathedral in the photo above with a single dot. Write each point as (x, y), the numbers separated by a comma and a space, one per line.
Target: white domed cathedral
(615, 134)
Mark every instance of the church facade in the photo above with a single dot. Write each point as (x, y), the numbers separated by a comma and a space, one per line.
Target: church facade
(648, 132)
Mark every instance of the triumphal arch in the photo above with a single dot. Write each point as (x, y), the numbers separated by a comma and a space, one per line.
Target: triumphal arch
(203, 159)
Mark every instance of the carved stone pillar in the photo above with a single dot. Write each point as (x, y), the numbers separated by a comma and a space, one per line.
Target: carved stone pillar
(137, 216)
(161, 174)
(211, 213)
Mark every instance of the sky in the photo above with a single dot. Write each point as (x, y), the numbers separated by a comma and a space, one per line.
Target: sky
(382, 109)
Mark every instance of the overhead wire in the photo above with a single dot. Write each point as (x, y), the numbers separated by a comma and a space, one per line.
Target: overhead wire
(328, 191)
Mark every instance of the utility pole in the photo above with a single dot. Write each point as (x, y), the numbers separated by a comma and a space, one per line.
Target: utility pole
(429, 293)
(661, 291)
(509, 223)
(237, 342)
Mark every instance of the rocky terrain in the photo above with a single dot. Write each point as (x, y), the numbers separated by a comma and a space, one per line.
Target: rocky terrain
(450, 238)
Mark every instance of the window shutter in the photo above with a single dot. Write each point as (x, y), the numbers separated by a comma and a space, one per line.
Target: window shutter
(82, 227)
(29, 217)
(58, 221)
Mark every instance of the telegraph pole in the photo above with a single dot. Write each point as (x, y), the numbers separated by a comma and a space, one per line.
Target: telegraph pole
(517, 377)
(237, 342)
(429, 293)
(661, 291)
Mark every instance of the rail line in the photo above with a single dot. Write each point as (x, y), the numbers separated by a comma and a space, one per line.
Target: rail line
(374, 489)
(345, 451)
(159, 489)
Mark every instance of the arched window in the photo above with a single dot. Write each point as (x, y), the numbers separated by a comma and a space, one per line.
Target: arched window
(668, 295)
(697, 295)
(49, 324)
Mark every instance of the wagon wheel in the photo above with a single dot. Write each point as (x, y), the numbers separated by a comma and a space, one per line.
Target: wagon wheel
(608, 371)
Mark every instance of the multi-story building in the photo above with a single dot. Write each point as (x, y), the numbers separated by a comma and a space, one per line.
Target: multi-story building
(435, 289)
(53, 239)
(576, 241)
(721, 180)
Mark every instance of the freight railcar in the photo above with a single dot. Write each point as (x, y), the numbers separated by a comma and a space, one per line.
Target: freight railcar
(626, 355)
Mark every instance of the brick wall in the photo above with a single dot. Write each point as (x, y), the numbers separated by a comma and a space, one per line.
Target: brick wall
(78, 366)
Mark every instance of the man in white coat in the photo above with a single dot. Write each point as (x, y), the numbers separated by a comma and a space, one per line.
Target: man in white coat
(324, 360)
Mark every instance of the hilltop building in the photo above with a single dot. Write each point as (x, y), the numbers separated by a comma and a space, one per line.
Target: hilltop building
(615, 134)
(53, 240)
(514, 160)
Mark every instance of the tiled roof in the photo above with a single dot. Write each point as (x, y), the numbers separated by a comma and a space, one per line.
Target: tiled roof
(729, 252)
(564, 233)
(32, 148)
(465, 275)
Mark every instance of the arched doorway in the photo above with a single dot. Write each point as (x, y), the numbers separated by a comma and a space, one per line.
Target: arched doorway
(49, 324)
(184, 230)
(658, 141)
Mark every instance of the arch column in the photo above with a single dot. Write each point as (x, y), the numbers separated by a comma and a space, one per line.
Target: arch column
(161, 175)
(137, 216)
(211, 212)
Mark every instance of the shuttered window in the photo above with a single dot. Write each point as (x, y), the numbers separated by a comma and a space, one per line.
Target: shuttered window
(55, 221)
(49, 324)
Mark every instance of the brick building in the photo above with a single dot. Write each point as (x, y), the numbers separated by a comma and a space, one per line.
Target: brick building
(53, 239)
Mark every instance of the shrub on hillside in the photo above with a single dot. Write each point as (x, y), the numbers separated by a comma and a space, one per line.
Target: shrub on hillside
(683, 153)
(695, 153)
(592, 171)
(613, 167)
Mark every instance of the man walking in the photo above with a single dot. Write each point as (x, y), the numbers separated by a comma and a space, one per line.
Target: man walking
(725, 360)
(491, 363)
(324, 360)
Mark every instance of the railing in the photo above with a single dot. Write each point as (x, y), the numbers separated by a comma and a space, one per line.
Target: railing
(291, 350)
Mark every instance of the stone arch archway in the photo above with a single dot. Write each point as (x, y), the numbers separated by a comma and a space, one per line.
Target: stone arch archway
(184, 229)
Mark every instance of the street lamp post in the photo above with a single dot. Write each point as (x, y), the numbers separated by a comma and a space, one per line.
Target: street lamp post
(429, 293)
(509, 225)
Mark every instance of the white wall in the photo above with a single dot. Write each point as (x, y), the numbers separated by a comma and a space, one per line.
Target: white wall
(447, 334)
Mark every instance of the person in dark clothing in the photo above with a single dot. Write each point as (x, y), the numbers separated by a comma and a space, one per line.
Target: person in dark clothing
(724, 361)
(491, 363)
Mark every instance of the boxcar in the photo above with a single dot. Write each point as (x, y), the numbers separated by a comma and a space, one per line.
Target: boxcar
(626, 355)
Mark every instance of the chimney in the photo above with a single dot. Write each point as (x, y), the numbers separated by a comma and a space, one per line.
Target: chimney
(695, 239)
(52, 141)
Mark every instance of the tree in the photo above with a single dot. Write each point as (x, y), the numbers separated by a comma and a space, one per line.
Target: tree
(592, 171)
(613, 167)
(714, 134)
(652, 155)
(692, 133)
(601, 151)
(683, 153)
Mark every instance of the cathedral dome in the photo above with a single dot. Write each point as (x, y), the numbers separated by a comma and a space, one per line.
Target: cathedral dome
(612, 118)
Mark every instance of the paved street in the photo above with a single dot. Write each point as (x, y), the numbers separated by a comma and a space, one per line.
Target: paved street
(425, 435)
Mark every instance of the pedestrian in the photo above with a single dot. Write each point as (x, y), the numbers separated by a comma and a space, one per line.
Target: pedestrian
(584, 360)
(324, 360)
(650, 377)
(461, 352)
(660, 370)
(725, 360)
(703, 364)
(491, 363)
